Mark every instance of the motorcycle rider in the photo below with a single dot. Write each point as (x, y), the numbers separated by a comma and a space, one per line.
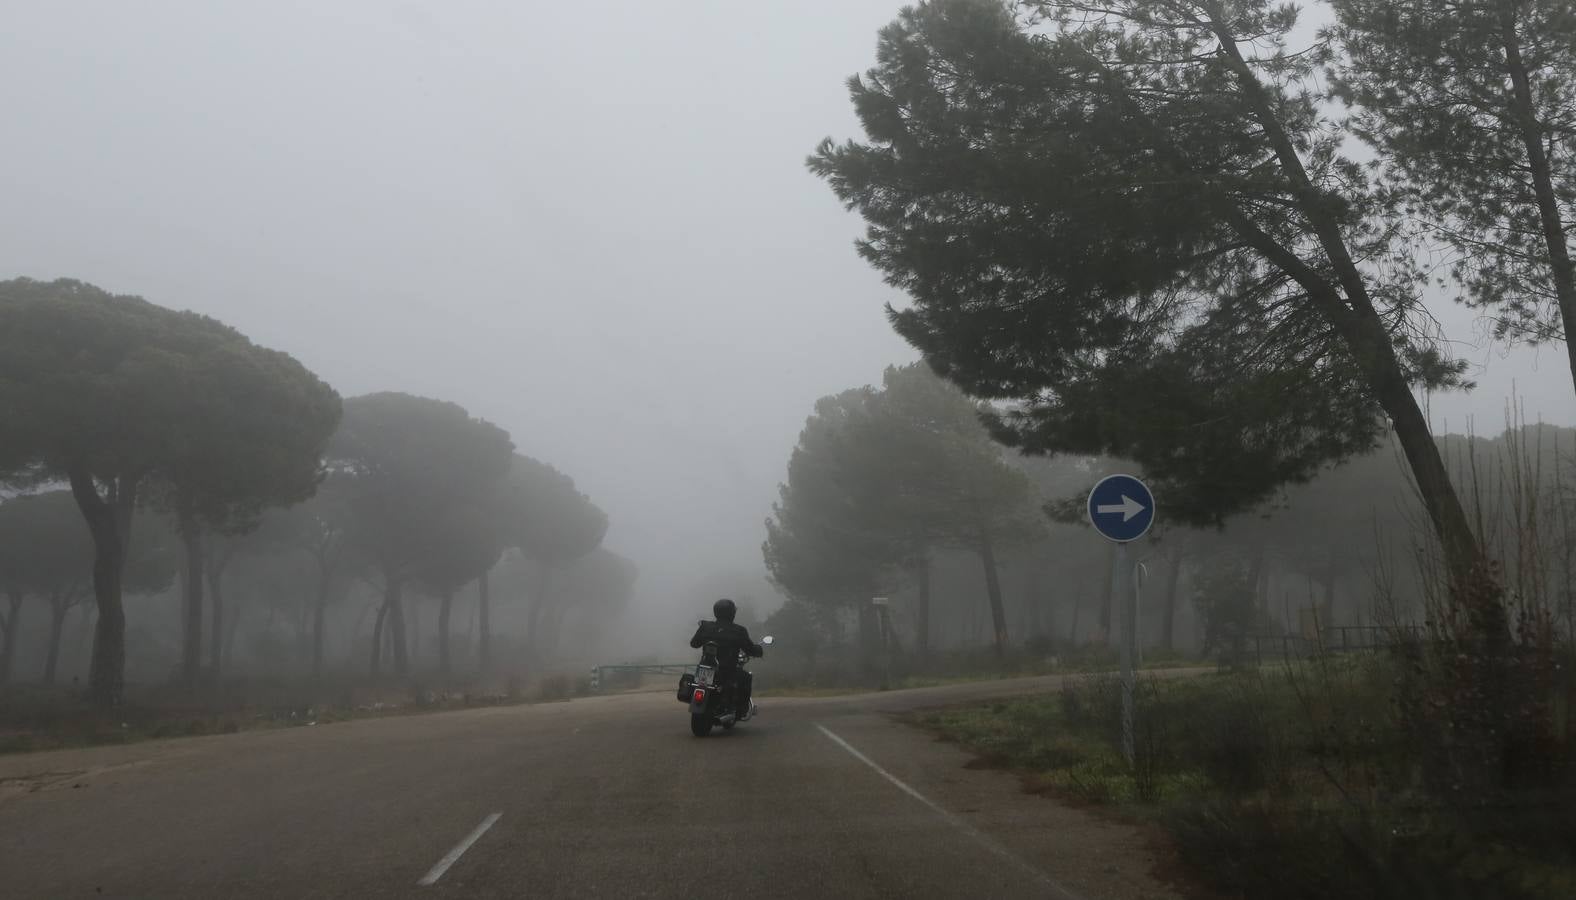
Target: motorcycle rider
(730, 637)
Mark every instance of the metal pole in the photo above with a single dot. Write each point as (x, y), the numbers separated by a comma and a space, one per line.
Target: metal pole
(886, 644)
(1140, 575)
(1124, 590)
(884, 623)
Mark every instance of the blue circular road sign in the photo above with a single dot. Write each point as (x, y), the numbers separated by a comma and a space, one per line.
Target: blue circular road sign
(1121, 508)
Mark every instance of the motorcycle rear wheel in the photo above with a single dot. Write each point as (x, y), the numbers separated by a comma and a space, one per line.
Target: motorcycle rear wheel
(700, 724)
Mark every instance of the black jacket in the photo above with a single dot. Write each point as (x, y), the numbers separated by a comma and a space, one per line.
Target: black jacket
(730, 637)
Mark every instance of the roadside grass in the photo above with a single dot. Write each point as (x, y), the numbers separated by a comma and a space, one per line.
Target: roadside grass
(805, 690)
(956, 667)
(1293, 782)
(34, 718)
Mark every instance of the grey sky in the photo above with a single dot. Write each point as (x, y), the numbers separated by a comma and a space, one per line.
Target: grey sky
(589, 223)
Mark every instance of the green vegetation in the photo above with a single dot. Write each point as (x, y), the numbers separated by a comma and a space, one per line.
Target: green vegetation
(1133, 229)
(847, 671)
(1132, 220)
(883, 480)
(129, 402)
(39, 719)
(1484, 163)
(184, 448)
(418, 474)
(552, 525)
(1301, 781)
(46, 553)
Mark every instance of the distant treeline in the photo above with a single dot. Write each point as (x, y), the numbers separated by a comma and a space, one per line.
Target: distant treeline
(901, 492)
(162, 455)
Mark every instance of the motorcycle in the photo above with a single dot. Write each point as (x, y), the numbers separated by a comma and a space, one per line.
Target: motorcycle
(711, 702)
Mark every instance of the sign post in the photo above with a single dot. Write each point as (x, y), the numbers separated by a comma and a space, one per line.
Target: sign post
(1121, 508)
(883, 607)
(1140, 578)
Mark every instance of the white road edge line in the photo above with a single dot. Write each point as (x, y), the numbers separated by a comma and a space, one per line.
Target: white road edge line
(1056, 890)
(454, 855)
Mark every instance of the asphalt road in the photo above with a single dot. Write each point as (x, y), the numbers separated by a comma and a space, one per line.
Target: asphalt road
(602, 797)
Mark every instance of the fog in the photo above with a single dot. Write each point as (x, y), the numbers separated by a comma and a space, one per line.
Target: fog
(588, 224)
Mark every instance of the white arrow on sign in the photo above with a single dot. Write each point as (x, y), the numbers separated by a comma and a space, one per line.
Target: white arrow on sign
(1128, 508)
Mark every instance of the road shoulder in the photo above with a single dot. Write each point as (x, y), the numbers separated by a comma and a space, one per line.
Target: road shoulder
(1092, 856)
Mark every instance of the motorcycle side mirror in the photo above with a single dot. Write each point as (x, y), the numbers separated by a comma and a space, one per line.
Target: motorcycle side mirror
(767, 640)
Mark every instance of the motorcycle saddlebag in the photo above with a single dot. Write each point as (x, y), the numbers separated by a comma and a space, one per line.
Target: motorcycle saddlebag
(686, 687)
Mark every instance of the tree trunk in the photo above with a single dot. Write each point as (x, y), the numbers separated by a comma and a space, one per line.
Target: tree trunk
(396, 624)
(1327, 614)
(552, 629)
(377, 638)
(533, 620)
(1358, 322)
(1106, 591)
(109, 523)
(84, 634)
(1261, 605)
(319, 613)
(388, 639)
(58, 607)
(10, 624)
(413, 627)
(922, 609)
(303, 627)
(361, 617)
(232, 627)
(1566, 541)
(869, 637)
(1072, 629)
(1562, 270)
(1168, 613)
(444, 608)
(1033, 612)
(998, 612)
(533, 637)
(217, 638)
(191, 596)
(484, 633)
(470, 629)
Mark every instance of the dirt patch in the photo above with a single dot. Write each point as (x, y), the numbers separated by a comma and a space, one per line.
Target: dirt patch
(29, 784)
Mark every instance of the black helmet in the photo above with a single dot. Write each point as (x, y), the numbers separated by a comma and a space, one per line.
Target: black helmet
(724, 610)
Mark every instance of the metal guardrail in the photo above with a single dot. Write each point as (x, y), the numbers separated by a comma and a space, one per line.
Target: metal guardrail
(653, 669)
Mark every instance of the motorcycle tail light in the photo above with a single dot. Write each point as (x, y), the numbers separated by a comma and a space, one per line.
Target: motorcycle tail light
(700, 696)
